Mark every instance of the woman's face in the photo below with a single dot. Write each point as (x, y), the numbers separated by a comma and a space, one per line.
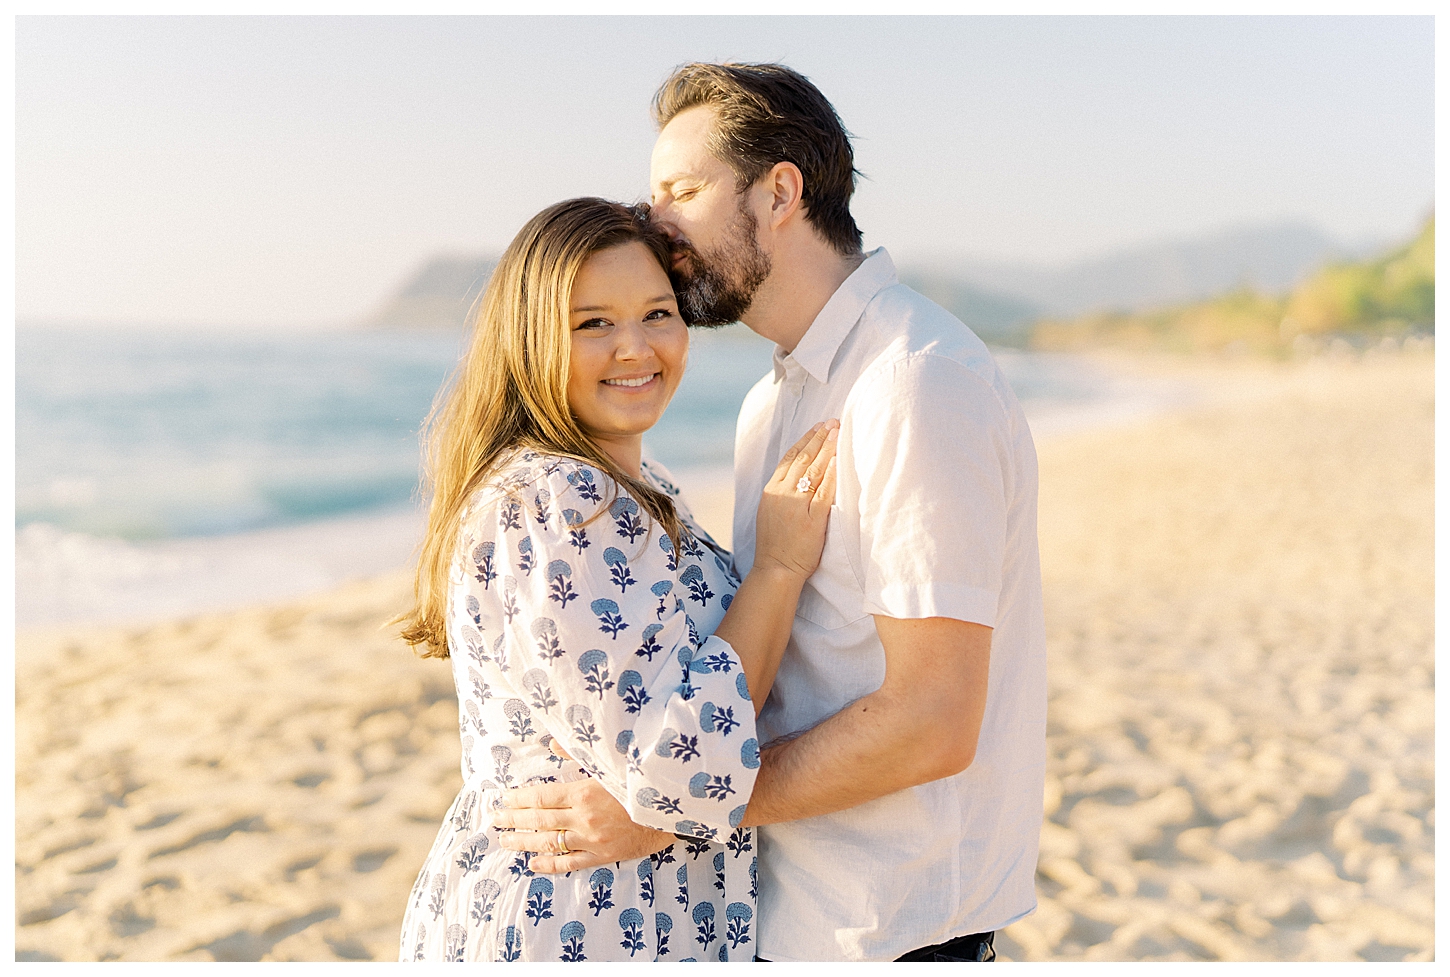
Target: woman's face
(628, 348)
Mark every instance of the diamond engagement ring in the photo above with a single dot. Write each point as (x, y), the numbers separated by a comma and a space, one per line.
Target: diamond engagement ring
(804, 485)
(563, 848)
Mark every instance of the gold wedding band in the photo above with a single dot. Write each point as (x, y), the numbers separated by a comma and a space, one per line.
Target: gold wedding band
(804, 485)
(563, 848)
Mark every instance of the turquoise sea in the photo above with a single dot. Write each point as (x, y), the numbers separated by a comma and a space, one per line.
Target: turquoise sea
(144, 435)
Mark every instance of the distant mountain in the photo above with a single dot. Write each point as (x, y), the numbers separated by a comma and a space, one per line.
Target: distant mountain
(439, 296)
(1390, 295)
(1269, 258)
(999, 319)
(1000, 301)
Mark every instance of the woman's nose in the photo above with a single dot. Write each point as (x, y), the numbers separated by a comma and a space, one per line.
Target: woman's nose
(632, 343)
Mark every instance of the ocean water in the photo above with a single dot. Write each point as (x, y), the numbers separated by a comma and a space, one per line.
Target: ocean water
(164, 434)
(147, 461)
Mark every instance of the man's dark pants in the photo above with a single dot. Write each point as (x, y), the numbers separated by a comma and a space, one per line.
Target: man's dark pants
(976, 948)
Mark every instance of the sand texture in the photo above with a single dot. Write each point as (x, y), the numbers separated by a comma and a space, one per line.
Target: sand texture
(1240, 626)
(255, 785)
(1240, 753)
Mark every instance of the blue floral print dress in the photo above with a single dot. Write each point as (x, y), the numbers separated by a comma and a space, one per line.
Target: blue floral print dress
(572, 617)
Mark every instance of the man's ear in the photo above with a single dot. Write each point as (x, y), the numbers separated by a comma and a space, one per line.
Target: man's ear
(786, 185)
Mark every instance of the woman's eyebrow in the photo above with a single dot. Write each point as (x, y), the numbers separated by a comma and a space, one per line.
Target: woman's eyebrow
(604, 308)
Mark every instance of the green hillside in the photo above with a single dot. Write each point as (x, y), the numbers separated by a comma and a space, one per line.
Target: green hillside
(1391, 295)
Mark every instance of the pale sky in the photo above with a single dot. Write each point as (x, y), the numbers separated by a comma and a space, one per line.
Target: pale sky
(262, 171)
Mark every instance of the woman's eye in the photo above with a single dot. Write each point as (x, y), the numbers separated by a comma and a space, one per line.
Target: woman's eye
(658, 315)
(593, 324)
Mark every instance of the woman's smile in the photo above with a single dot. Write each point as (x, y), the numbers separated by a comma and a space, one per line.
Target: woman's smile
(631, 383)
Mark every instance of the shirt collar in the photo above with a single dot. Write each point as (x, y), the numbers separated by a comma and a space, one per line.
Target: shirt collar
(817, 348)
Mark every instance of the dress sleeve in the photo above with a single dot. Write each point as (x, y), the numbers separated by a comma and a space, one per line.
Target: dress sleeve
(601, 645)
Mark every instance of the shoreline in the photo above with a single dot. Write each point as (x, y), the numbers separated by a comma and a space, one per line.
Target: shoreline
(71, 581)
(67, 580)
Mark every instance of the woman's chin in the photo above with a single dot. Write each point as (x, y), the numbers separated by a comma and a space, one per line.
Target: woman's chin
(627, 424)
(622, 432)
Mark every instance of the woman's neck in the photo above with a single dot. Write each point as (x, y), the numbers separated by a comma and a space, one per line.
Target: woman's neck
(624, 451)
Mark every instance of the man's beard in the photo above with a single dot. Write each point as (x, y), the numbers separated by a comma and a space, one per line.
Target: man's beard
(717, 287)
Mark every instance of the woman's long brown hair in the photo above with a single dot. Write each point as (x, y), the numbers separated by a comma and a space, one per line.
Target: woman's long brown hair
(510, 389)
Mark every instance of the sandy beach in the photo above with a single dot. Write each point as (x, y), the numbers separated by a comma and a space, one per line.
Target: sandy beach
(1240, 616)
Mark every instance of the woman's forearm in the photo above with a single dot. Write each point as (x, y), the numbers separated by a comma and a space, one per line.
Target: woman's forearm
(758, 625)
(790, 530)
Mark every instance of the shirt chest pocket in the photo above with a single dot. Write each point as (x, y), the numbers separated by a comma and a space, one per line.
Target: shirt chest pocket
(834, 595)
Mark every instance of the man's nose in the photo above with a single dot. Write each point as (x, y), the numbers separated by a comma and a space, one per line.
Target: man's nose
(660, 217)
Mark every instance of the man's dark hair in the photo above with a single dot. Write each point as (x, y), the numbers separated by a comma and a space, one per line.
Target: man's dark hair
(767, 114)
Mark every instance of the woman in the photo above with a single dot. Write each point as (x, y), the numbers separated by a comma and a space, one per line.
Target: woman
(581, 603)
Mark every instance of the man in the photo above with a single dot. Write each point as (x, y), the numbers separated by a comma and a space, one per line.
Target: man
(900, 793)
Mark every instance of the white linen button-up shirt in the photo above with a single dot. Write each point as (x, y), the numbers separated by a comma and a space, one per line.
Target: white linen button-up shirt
(935, 516)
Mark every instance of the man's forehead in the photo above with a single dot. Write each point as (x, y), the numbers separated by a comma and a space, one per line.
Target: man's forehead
(682, 149)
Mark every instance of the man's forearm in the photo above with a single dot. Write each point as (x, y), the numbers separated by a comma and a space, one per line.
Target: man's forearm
(921, 725)
(875, 746)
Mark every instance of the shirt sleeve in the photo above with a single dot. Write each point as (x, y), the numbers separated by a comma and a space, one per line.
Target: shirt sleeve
(601, 645)
(930, 452)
